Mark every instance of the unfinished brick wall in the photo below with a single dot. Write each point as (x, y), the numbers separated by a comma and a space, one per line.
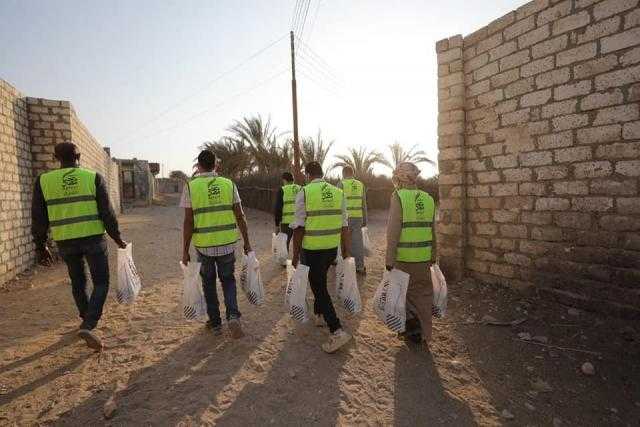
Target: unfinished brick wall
(539, 137)
(16, 179)
(29, 129)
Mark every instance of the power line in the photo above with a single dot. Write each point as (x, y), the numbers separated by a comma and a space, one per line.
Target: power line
(328, 89)
(316, 56)
(322, 70)
(304, 20)
(313, 20)
(318, 72)
(295, 16)
(204, 87)
(217, 106)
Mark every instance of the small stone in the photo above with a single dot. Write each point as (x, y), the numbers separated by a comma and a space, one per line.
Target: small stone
(588, 369)
(525, 336)
(557, 422)
(292, 374)
(541, 386)
(109, 408)
(573, 312)
(530, 368)
(507, 415)
(541, 339)
(486, 319)
(614, 410)
(529, 406)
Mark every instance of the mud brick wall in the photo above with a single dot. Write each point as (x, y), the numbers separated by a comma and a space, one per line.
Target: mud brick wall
(29, 130)
(539, 138)
(16, 180)
(53, 122)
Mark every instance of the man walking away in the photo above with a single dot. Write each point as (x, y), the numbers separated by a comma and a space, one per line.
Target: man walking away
(409, 241)
(74, 203)
(284, 209)
(355, 193)
(320, 225)
(212, 215)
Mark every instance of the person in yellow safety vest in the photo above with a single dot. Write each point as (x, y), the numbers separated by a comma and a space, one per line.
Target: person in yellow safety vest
(284, 208)
(356, 195)
(212, 216)
(73, 203)
(320, 225)
(410, 245)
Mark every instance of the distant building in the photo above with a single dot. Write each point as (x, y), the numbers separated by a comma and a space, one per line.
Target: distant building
(137, 181)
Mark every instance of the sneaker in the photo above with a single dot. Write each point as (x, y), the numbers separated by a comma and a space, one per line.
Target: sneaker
(91, 339)
(337, 339)
(362, 271)
(215, 328)
(318, 320)
(235, 328)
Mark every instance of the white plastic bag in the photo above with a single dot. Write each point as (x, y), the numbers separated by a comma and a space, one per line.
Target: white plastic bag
(295, 296)
(439, 292)
(366, 242)
(194, 305)
(250, 279)
(347, 285)
(389, 300)
(279, 248)
(129, 283)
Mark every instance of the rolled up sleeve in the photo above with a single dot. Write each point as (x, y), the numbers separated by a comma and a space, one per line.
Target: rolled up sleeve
(300, 215)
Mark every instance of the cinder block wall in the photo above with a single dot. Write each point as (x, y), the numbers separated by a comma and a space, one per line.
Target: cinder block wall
(29, 129)
(539, 137)
(16, 179)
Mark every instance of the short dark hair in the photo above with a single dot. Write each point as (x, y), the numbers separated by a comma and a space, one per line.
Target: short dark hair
(66, 152)
(347, 170)
(287, 176)
(313, 169)
(207, 160)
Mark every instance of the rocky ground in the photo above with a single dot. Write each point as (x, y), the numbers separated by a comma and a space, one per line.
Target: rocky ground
(559, 366)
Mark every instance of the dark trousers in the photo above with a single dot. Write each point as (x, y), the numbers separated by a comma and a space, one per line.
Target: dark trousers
(96, 254)
(224, 267)
(319, 263)
(288, 231)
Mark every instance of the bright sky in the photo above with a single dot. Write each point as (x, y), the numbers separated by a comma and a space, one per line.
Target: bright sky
(139, 72)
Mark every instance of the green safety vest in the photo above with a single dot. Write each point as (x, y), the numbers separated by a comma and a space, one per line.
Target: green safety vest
(70, 196)
(354, 192)
(322, 227)
(213, 217)
(418, 210)
(289, 193)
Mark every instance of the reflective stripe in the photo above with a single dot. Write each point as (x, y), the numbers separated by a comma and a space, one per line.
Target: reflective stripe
(354, 198)
(289, 202)
(214, 229)
(322, 232)
(417, 224)
(74, 199)
(353, 208)
(325, 212)
(67, 221)
(414, 244)
(218, 208)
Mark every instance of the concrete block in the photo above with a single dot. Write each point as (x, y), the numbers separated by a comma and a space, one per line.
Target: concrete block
(631, 130)
(575, 220)
(632, 19)
(620, 41)
(617, 114)
(559, 108)
(486, 177)
(575, 188)
(449, 56)
(489, 43)
(506, 161)
(549, 47)
(602, 99)
(536, 98)
(514, 231)
(519, 87)
(628, 205)
(599, 30)
(592, 204)
(516, 117)
(595, 66)
(518, 259)
(498, 190)
(532, 189)
(505, 78)
(595, 169)
(612, 7)
(570, 121)
(517, 174)
(620, 223)
(503, 50)
(533, 37)
(617, 187)
(554, 13)
(537, 158)
(580, 53)
(537, 218)
(630, 57)
(547, 234)
(514, 60)
(531, 8)
(596, 135)
(628, 168)
(571, 22)
(624, 150)
(553, 78)
(572, 90)
(501, 23)
(574, 154)
(552, 204)
(537, 66)
(520, 27)
(618, 78)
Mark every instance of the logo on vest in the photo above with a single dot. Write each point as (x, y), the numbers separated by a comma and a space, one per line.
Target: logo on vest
(327, 195)
(70, 182)
(213, 191)
(419, 205)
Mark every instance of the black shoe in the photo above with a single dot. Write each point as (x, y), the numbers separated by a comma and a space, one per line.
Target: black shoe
(91, 339)
(216, 328)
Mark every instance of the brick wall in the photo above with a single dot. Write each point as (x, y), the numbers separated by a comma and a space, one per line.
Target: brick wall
(29, 129)
(16, 179)
(539, 137)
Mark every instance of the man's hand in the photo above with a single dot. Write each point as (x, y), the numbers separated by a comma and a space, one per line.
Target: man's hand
(44, 257)
(121, 244)
(294, 260)
(186, 258)
(247, 248)
(389, 267)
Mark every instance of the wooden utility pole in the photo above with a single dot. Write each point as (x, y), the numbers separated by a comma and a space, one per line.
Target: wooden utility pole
(297, 169)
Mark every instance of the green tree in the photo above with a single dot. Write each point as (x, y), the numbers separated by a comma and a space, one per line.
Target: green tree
(234, 156)
(361, 160)
(315, 149)
(399, 155)
(178, 175)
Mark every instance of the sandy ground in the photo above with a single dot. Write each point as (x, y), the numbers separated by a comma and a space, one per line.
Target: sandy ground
(161, 370)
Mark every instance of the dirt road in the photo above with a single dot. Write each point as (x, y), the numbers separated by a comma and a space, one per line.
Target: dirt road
(162, 370)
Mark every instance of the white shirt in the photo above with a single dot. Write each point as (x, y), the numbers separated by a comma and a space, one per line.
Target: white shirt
(300, 215)
(185, 202)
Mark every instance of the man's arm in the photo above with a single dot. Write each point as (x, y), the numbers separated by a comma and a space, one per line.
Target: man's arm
(298, 235)
(40, 224)
(106, 213)
(187, 234)
(394, 228)
(365, 214)
(297, 225)
(242, 225)
(345, 232)
(277, 210)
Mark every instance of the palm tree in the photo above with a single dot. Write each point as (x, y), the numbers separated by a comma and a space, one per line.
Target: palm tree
(361, 160)
(315, 149)
(234, 156)
(399, 155)
(262, 141)
(179, 175)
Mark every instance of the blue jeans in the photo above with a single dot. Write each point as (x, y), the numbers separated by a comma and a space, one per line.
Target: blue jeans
(94, 250)
(224, 266)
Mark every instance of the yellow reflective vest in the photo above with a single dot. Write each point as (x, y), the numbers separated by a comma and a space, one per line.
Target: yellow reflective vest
(213, 217)
(354, 192)
(323, 224)
(418, 209)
